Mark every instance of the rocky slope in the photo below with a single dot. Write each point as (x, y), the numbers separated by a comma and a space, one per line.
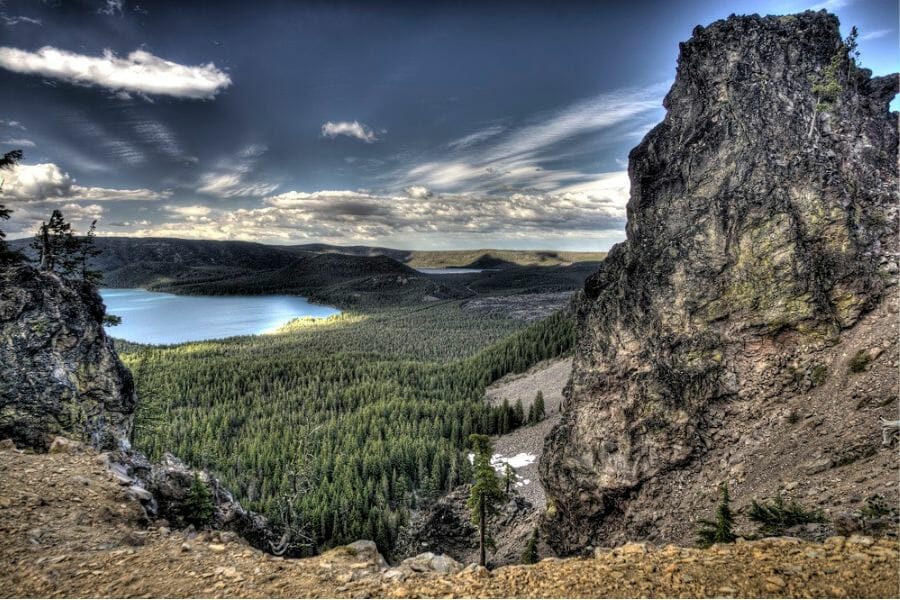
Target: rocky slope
(59, 373)
(69, 529)
(761, 226)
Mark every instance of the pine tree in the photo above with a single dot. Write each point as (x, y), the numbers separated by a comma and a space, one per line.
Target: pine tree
(485, 493)
(86, 250)
(719, 531)
(198, 506)
(8, 161)
(530, 555)
(537, 407)
(509, 476)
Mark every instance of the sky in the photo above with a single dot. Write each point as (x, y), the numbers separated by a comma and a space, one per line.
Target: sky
(434, 125)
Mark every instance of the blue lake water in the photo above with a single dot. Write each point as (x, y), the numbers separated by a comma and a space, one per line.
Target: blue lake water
(157, 318)
(449, 271)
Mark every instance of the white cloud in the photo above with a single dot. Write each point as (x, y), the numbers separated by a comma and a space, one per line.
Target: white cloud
(46, 182)
(111, 8)
(12, 124)
(514, 158)
(8, 20)
(232, 185)
(874, 35)
(140, 72)
(79, 212)
(476, 138)
(353, 129)
(831, 5)
(594, 211)
(18, 143)
(418, 191)
(188, 211)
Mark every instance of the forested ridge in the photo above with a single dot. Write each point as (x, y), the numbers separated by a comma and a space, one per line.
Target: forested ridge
(370, 411)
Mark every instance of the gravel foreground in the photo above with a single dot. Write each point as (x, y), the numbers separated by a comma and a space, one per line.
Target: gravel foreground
(67, 529)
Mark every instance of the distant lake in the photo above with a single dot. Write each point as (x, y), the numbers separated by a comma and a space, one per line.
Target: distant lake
(157, 318)
(449, 271)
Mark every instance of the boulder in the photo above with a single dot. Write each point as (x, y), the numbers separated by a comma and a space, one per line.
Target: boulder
(59, 372)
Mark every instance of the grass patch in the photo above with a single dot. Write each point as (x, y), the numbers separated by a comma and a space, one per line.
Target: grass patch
(859, 361)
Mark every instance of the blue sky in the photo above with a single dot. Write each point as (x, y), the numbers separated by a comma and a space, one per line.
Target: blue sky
(442, 125)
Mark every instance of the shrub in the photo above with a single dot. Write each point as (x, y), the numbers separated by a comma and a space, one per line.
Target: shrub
(776, 516)
(817, 374)
(720, 531)
(876, 507)
(859, 361)
(530, 556)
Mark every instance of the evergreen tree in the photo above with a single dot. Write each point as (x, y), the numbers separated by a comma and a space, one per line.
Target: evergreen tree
(509, 476)
(85, 250)
(56, 245)
(518, 414)
(198, 506)
(485, 493)
(537, 410)
(8, 161)
(719, 531)
(530, 555)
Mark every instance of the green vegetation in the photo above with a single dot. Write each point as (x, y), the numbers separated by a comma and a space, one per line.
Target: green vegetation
(530, 555)
(509, 477)
(720, 531)
(7, 161)
(859, 361)
(876, 507)
(776, 516)
(381, 404)
(198, 506)
(817, 374)
(536, 411)
(485, 493)
(843, 66)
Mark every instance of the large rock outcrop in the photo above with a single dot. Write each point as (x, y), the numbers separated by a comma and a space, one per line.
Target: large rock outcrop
(59, 372)
(762, 220)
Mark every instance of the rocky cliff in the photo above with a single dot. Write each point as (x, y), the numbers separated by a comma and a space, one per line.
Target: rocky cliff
(59, 373)
(761, 225)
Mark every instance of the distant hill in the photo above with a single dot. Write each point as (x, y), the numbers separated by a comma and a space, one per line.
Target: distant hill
(341, 275)
(476, 259)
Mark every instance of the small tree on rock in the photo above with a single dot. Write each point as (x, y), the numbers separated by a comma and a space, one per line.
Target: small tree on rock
(720, 531)
(485, 493)
(7, 161)
(198, 505)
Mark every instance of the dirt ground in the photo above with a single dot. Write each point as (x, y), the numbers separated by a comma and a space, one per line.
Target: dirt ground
(68, 529)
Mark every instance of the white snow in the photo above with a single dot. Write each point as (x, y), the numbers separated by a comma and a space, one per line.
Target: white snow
(498, 461)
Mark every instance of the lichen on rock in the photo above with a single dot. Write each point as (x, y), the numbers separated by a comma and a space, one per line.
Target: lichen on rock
(758, 220)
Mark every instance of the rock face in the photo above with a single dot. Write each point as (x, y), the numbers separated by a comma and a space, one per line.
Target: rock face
(59, 373)
(762, 219)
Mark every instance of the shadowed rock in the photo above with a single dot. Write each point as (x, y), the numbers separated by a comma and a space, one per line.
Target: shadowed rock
(59, 373)
(762, 217)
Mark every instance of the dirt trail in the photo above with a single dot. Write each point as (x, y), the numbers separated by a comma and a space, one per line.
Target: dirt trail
(67, 529)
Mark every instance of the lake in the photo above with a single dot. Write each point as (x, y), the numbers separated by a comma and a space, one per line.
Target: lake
(157, 318)
(448, 271)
